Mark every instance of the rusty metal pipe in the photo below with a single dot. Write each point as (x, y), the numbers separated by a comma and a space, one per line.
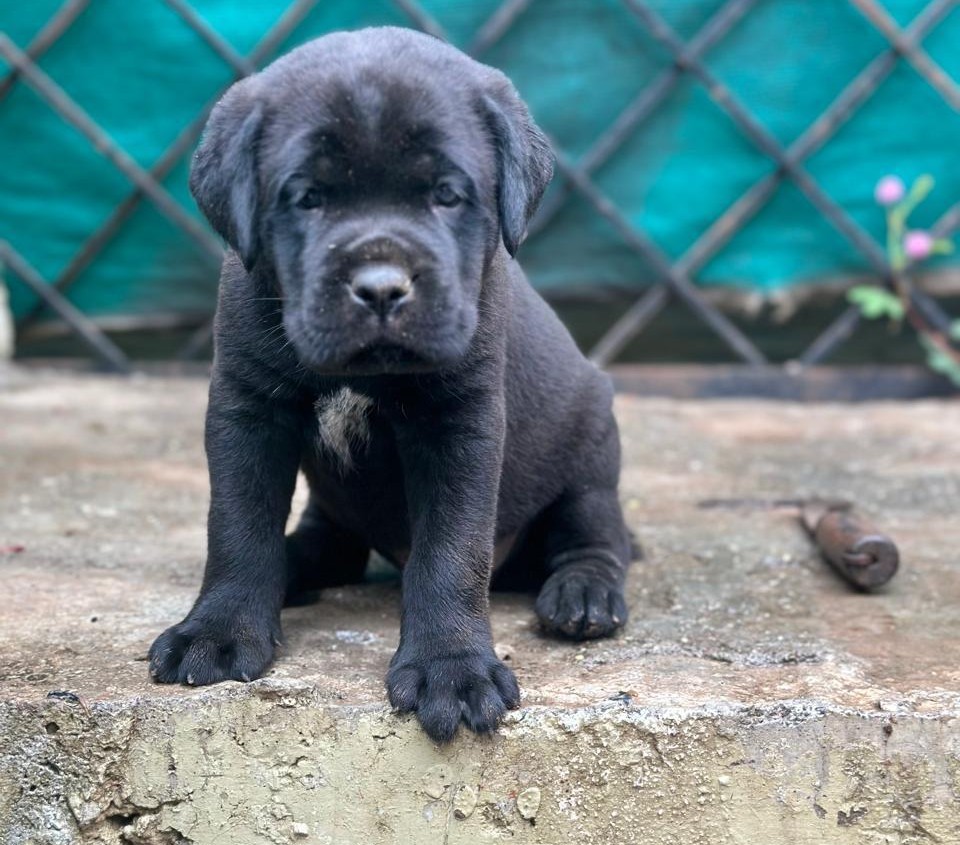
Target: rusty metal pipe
(856, 550)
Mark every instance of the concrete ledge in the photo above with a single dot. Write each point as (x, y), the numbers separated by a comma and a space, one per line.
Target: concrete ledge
(280, 763)
(753, 697)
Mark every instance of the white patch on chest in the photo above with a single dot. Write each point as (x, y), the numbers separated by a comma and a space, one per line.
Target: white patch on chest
(343, 425)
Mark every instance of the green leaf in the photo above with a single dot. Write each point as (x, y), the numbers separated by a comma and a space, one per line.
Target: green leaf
(941, 246)
(875, 302)
(954, 330)
(921, 186)
(940, 362)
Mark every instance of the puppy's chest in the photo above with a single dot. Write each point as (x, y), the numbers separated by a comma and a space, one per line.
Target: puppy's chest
(343, 427)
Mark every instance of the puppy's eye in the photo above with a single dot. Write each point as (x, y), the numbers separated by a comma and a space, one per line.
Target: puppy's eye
(444, 194)
(311, 198)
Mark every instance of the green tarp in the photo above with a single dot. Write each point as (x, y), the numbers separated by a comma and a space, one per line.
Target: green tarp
(143, 74)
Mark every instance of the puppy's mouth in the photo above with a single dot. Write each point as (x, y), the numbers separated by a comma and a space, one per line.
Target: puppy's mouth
(388, 358)
(378, 357)
(341, 337)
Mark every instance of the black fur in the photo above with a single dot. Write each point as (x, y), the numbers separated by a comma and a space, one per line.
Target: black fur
(471, 422)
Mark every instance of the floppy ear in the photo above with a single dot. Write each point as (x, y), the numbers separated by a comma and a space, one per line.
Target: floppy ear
(524, 161)
(223, 176)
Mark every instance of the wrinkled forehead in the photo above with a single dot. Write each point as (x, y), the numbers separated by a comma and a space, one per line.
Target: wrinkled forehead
(378, 122)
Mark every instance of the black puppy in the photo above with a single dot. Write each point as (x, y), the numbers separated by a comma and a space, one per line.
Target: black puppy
(374, 331)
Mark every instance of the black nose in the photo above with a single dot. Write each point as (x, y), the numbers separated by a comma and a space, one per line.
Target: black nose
(381, 287)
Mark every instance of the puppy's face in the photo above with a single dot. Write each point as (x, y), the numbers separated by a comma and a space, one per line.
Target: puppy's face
(380, 220)
(372, 174)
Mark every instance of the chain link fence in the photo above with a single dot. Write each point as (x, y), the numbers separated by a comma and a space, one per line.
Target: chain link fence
(676, 278)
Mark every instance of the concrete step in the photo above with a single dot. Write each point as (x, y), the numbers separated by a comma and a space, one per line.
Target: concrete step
(753, 698)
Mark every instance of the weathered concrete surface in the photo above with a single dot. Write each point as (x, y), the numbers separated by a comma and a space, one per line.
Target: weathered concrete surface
(752, 699)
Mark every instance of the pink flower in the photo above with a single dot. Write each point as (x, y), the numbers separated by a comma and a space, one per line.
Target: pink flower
(917, 244)
(889, 191)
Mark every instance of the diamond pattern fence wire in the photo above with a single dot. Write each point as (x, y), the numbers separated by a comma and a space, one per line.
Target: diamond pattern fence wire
(675, 277)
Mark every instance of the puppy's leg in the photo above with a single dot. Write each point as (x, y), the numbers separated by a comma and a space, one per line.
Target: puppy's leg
(587, 552)
(254, 443)
(321, 554)
(445, 668)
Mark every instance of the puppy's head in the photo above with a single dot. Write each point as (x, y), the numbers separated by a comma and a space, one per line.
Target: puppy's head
(373, 174)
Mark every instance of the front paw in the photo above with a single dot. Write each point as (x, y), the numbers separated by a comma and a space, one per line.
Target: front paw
(582, 600)
(443, 690)
(209, 647)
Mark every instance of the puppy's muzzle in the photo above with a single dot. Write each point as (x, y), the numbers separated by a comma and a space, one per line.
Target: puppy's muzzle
(381, 288)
